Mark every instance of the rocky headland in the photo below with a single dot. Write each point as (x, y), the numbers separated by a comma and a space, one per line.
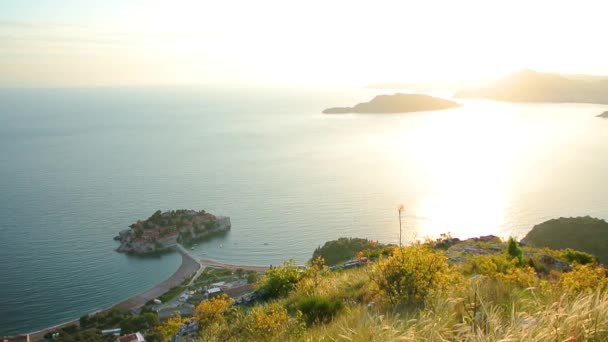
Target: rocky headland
(163, 230)
(585, 234)
(397, 103)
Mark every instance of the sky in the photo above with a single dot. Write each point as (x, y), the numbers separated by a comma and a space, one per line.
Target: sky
(148, 42)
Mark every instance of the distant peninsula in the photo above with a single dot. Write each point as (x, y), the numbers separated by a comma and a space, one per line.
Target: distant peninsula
(604, 115)
(532, 86)
(163, 230)
(586, 234)
(397, 103)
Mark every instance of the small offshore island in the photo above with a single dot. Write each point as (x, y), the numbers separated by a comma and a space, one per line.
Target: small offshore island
(604, 115)
(397, 103)
(163, 230)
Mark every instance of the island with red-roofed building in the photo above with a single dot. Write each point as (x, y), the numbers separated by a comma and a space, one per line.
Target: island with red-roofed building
(164, 230)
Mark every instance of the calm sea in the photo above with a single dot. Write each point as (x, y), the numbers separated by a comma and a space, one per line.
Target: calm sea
(79, 165)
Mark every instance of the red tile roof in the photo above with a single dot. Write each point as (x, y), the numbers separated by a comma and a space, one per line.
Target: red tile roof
(169, 235)
(129, 338)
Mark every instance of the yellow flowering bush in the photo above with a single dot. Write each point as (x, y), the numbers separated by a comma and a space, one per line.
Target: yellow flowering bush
(170, 326)
(524, 276)
(212, 310)
(411, 273)
(489, 265)
(272, 322)
(585, 277)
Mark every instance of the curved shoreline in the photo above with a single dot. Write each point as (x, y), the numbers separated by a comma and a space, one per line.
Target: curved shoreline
(188, 267)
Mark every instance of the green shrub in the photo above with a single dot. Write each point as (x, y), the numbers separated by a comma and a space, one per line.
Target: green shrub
(376, 253)
(143, 322)
(578, 257)
(84, 321)
(343, 249)
(319, 309)
(278, 281)
(252, 278)
(514, 251)
(70, 329)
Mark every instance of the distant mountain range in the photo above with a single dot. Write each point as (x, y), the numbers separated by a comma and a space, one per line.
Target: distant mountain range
(532, 86)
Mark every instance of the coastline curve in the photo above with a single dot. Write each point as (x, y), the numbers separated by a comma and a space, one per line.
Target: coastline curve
(187, 269)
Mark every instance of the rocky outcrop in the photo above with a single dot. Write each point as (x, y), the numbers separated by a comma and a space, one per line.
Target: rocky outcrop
(555, 264)
(462, 251)
(476, 246)
(397, 103)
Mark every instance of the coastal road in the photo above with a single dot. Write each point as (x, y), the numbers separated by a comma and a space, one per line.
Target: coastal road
(202, 267)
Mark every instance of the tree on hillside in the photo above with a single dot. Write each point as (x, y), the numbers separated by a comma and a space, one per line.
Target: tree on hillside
(514, 251)
(278, 281)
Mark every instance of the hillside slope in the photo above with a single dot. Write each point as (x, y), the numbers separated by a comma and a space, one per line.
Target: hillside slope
(586, 234)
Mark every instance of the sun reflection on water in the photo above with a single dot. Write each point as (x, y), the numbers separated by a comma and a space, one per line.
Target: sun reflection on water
(466, 164)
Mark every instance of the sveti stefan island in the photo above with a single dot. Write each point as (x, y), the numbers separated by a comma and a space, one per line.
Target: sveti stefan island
(184, 171)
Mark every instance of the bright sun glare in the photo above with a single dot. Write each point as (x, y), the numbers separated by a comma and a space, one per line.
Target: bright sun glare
(467, 162)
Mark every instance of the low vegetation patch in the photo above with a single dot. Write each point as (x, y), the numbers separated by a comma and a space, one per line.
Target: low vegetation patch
(317, 309)
(172, 293)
